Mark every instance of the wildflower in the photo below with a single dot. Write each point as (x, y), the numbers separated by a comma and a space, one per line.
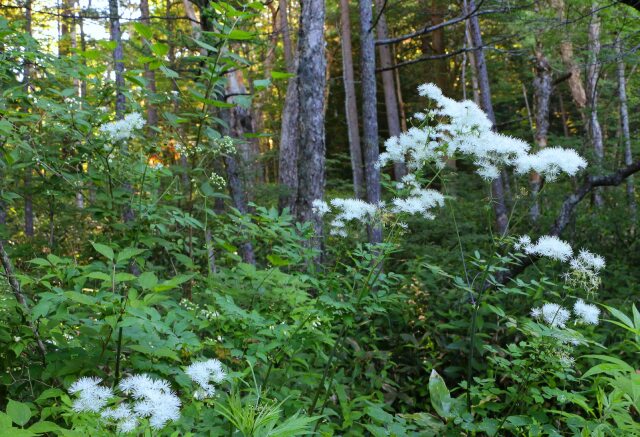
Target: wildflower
(420, 201)
(553, 314)
(354, 209)
(584, 272)
(122, 130)
(551, 247)
(154, 399)
(586, 313)
(92, 396)
(320, 207)
(203, 373)
(550, 161)
(588, 261)
(123, 415)
(523, 241)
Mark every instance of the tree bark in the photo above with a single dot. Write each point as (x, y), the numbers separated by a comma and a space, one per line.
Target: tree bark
(149, 75)
(311, 141)
(351, 105)
(118, 57)
(497, 186)
(593, 73)
(369, 111)
(388, 86)
(624, 125)
(566, 53)
(28, 201)
(242, 123)
(542, 86)
(288, 151)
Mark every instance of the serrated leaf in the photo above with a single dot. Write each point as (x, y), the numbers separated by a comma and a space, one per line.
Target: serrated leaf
(147, 280)
(128, 253)
(20, 413)
(99, 275)
(106, 251)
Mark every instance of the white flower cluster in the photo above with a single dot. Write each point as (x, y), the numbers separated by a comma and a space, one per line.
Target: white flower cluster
(547, 245)
(557, 316)
(449, 129)
(122, 130)
(352, 210)
(92, 396)
(584, 268)
(204, 373)
(152, 399)
(465, 129)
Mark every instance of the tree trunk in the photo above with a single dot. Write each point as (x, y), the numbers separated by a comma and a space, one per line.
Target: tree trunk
(566, 53)
(388, 86)
(242, 124)
(288, 151)
(369, 111)
(351, 105)
(593, 73)
(311, 141)
(624, 125)
(542, 98)
(497, 186)
(149, 75)
(28, 202)
(118, 57)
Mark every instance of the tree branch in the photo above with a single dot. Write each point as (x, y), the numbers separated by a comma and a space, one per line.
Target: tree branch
(15, 287)
(429, 29)
(566, 212)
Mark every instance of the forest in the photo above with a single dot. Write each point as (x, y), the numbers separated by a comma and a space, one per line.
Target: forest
(319, 217)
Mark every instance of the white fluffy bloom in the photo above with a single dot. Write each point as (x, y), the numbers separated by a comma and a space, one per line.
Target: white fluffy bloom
(354, 209)
(587, 260)
(123, 415)
(586, 313)
(464, 128)
(523, 241)
(320, 207)
(553, 314)
(550, 161)
(420, 201)
(91, 395)
(551, 247)
(123, 129)
(203, 373)
(154, 399)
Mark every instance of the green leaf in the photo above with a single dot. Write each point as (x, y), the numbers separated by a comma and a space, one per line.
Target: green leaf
(44, 426)
(169, 73)
(160, 48)
(277, 261)
(106, 251)
(128, 253)
(143, 30)
(147, 280)
(5, 421)
(99, 275)
(281, 75)
(439, 395)
(80, 298)
(172, 283)
(20, 413)
(125, 277)
(612, 366)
